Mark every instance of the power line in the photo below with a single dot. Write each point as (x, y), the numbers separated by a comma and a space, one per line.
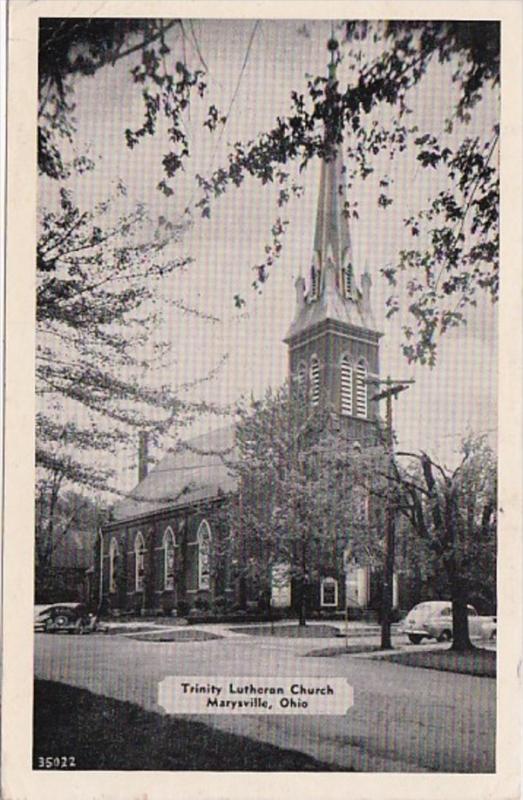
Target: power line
(231, 104)
(245, 60)
(197, 46)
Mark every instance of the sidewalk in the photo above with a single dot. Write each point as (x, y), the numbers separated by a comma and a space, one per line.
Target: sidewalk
(229, 629)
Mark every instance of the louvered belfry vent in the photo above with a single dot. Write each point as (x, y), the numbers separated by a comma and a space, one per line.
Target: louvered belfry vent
(315, 381)
(361, 390)
(346, 386)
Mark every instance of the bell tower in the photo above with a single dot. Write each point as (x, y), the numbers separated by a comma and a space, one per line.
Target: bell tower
(333, 342)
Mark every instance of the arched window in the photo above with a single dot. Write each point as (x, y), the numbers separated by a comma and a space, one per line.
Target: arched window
(329, 592)
(361, 389)
(139, 568)
(300, 380)
(204, 556)
(114, 556)
(346, 386)
(169, 543)
(315, 381)
(346, 281)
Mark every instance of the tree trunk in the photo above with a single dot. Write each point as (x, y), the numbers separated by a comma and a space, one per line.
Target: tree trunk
(386, 642)
(388, 577)
(460, 623)
(303, 602)
(303, 610)
(242, 592)
(304, 580)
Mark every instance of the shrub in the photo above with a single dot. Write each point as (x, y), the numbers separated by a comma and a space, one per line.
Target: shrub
(264, 600)
(220, 604)
(183, 608)
(202, 602)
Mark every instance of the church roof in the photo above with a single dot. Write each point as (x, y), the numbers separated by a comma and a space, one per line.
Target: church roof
(193, 473)
(331, 306)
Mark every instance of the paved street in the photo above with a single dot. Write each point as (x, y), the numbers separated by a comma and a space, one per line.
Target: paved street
(403, 719)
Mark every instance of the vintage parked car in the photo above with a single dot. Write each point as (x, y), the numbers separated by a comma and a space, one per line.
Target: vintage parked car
(433, 620)
(69, 617)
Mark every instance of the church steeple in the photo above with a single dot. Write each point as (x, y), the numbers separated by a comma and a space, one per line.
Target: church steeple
(333, 341)
(332, 242)
(332, 292)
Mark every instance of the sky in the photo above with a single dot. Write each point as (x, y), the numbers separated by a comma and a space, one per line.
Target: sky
(455, 397)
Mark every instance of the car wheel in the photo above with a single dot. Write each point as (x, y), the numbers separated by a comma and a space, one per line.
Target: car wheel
(445, 636)
(415, 638)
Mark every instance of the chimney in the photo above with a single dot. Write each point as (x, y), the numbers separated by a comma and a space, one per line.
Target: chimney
(143, 455)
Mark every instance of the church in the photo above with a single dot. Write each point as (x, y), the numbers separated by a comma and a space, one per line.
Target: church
(158, 553)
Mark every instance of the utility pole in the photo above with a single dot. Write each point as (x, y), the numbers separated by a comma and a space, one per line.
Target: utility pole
(392, 389)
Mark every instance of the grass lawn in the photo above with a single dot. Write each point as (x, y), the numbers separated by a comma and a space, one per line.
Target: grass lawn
(102, 733)
(290, 631)
(476, 662)
(183, 635)
(331, 652)
(117, 629)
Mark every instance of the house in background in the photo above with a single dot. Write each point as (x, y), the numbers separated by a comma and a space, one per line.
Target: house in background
(68, 574)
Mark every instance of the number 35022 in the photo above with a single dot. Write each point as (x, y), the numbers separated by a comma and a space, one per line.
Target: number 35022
(56, 762)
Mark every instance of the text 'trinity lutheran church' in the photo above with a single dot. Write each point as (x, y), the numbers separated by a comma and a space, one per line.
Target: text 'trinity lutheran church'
(156, 554)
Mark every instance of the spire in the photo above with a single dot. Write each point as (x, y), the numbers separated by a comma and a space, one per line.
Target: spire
(332, 237)
(334, 293)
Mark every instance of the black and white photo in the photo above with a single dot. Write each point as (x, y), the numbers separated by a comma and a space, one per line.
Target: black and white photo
(272, 419)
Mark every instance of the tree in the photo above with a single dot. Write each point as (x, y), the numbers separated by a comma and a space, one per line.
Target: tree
(455, 254)
(99, 300)
(103, 281)
(457, 238)
(59, 515)
(301, 498)
(73, 47)
(454, 515)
